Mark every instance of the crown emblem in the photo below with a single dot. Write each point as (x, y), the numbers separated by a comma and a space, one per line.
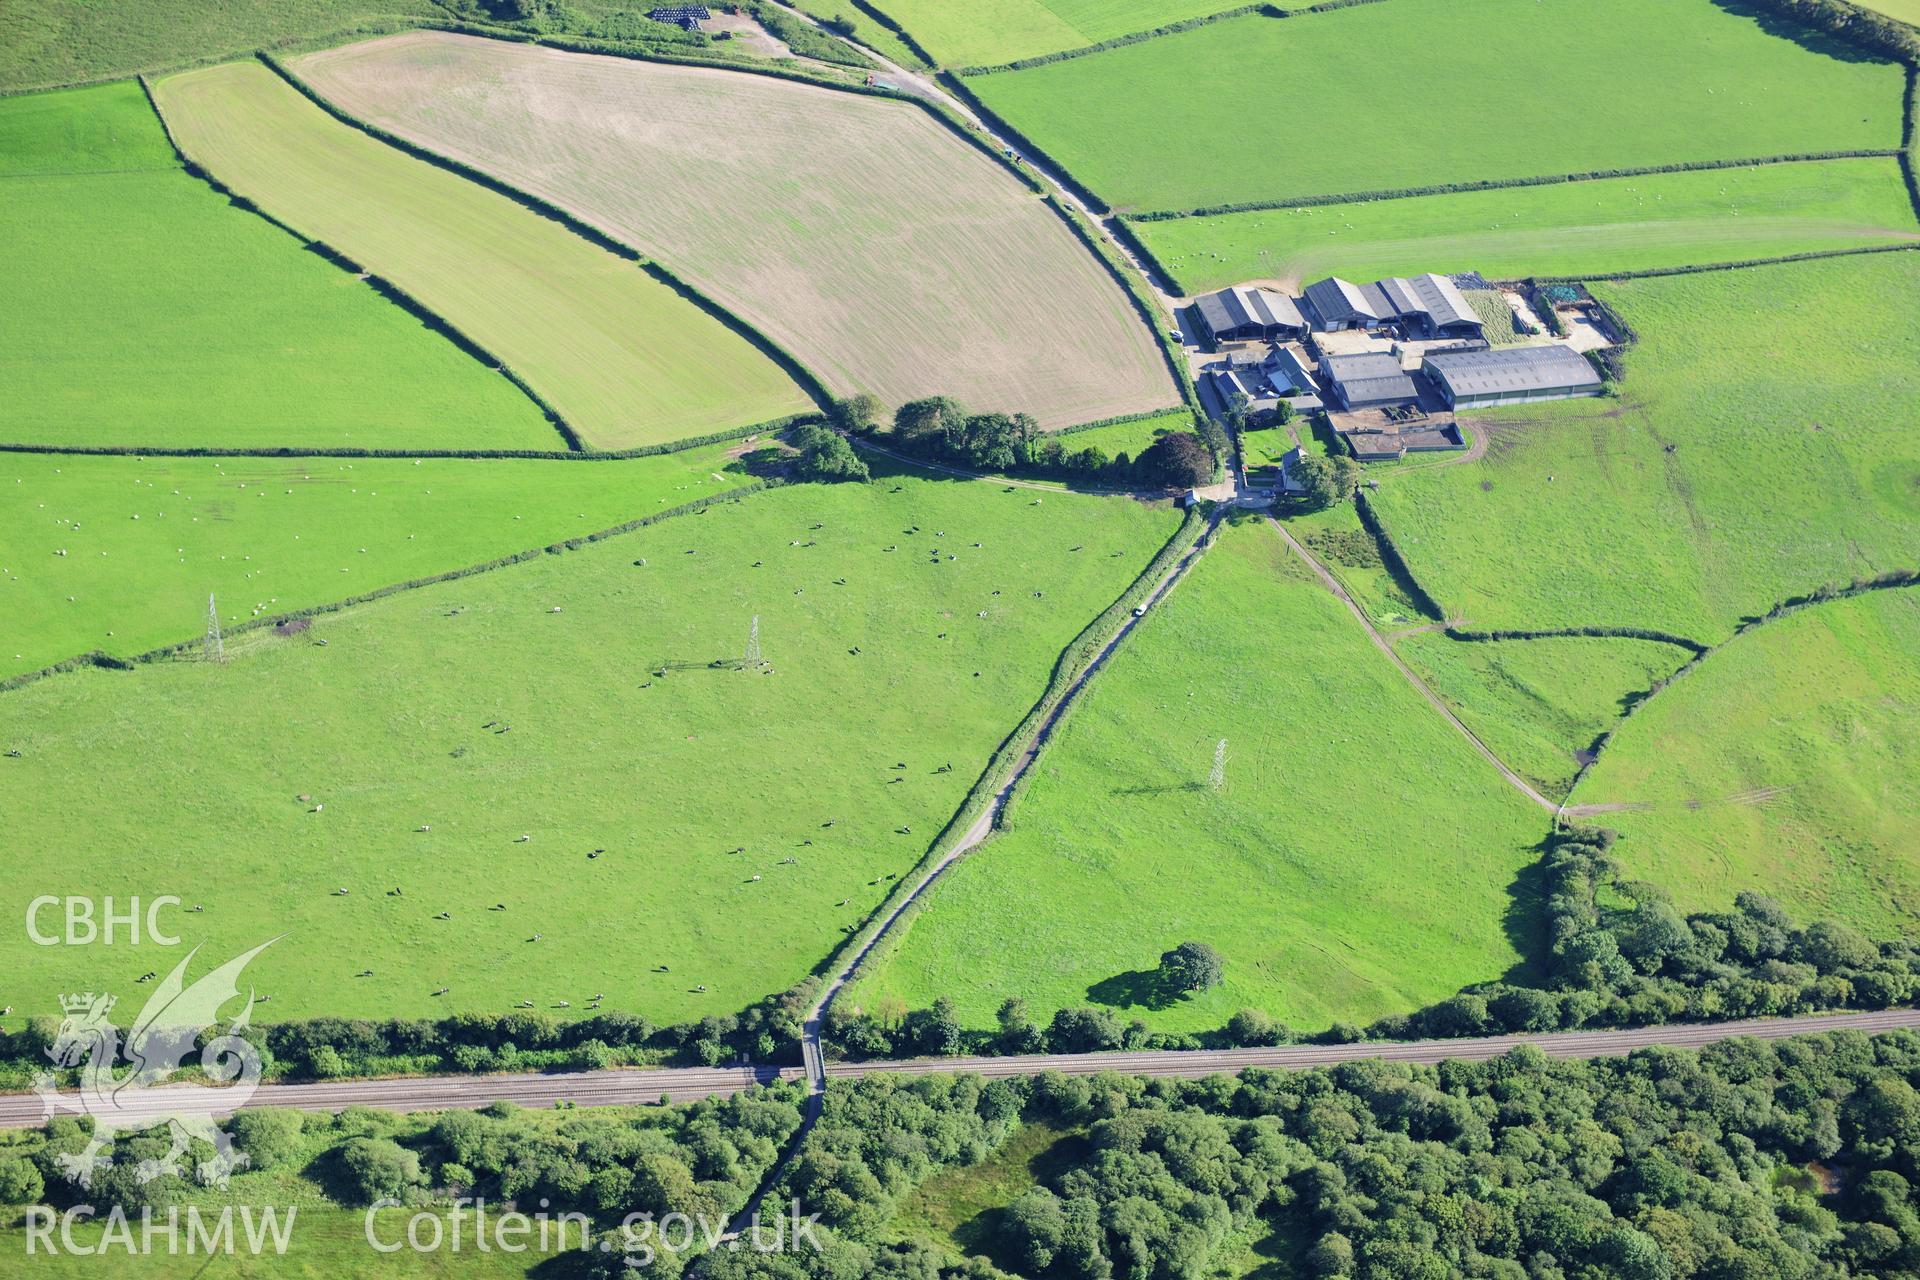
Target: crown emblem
(83, 1001)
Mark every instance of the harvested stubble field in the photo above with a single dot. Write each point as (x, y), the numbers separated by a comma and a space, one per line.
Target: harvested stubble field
(1539, 703)
(858, 233)
(120, 553)
(1783, 763)
(747, 816)
(1581, 86)
(1563, 229)
(1762, 445)
(143, 309)
(1358, 861)
(624, 358)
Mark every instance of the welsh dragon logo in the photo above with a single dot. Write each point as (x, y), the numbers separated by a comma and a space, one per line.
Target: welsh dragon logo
(125, 1098)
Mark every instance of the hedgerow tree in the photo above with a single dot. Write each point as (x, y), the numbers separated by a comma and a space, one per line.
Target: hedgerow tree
(1177, 460)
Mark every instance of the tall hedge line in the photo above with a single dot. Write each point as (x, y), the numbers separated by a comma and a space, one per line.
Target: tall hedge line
(900, 33)
(770, 427)
(1736, 265)
(1119, 419)
(1036, 154)
(1501, 184)
(1560, 633)
(1397, 566)
(96, 658)
(1862, 28)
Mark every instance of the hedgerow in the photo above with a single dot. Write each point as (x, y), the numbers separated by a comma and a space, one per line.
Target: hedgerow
(1497, 184)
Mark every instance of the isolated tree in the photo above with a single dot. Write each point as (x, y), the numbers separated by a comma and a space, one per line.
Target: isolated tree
(380, 1168)
(1192, 966)
(826, 456)
(1178, 460)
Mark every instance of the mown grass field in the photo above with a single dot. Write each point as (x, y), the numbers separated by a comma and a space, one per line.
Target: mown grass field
(120, 553)
(1357, 861)
(1571, 229)
(990, 32)
(525, 702)
(45, 43)
(860, 234)
(1761, 446)
(144, 309)
(1782, 763)
(1539, 703)
(624, 358)
(1141, 125)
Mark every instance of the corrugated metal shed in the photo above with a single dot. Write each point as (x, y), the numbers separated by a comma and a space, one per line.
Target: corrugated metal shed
(1514, 371)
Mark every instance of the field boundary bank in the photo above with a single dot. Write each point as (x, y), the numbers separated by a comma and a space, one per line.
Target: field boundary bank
(97, 658)
(1045, 484)
(1468, 636)
(1891, 580)
(788, 363)
(900, 906)
(906, 37)
(1910, 144)
(1694, 269)
(1504, 184)
(1119, 420)
(386, 288)
(772, 426)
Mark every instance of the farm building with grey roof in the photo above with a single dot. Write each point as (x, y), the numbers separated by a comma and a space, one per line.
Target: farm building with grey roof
(1368, 378)
(1241, 314)
(1511, 375)
(1428, 304)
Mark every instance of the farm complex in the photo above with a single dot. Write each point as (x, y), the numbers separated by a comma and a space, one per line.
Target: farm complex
(1028, 639)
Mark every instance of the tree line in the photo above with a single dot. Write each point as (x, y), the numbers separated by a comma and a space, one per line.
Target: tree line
(1745, 1161)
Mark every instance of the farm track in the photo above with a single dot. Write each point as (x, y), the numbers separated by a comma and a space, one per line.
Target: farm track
(1380, 642)
(640, 1086)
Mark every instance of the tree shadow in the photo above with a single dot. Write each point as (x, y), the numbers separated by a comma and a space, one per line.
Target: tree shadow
(1134, 989)
(1525, 922)
(1806, 37)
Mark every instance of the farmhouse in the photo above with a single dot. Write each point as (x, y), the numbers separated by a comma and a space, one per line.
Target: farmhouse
(1291, 378)
(687, 17)
(1244, 382)
(1510, 375)
(1367, 379)
(1241, 314)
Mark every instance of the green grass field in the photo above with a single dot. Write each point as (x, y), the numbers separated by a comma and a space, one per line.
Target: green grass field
(121, 553)
(1143, 125)
(1129, 438)
(1571, 229)
(525, 702)
(990, 32)
(625, 359)
(1351, 554)
(44, 43)
(1760, 448)
(960, 1209)
(1783, 763)
(1357, 862)
(1538, 703)
(144, 309)
(1906, 10)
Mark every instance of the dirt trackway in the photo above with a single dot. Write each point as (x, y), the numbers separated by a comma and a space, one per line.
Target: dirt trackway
(1380, 642)
(624, 1088)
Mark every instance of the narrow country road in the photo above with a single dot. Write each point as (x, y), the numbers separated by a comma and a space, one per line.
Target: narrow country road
(1519, 783)
(622, 1088)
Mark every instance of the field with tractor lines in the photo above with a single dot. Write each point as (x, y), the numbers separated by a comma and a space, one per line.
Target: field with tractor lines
(858, 233)
(623, 358)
